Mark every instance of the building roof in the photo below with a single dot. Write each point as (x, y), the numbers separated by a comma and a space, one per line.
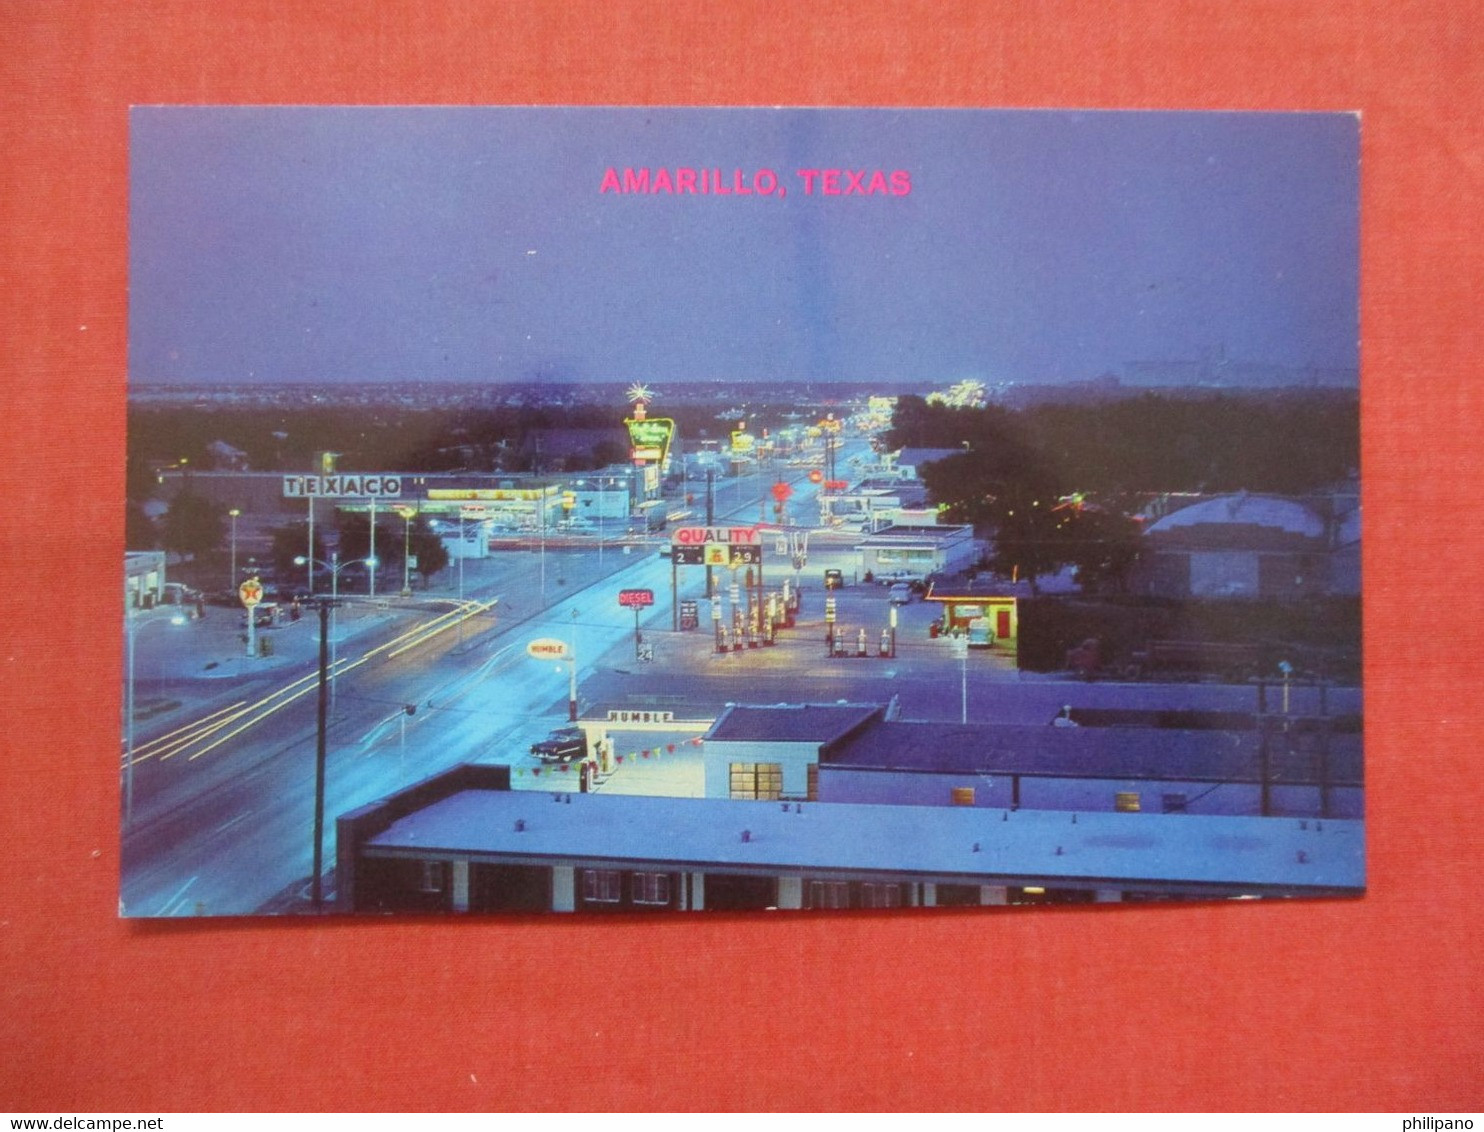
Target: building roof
(790, 723)
(1286, 515)
(947, 844)
(1093, 752)
(917, 457)
(900, 534)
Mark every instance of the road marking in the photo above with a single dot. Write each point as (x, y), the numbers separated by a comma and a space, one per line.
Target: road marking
(229, 824)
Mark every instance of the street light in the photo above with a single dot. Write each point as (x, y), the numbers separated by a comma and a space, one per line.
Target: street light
(407, 513)
(131, 627)
(334, 566)
(234, 513)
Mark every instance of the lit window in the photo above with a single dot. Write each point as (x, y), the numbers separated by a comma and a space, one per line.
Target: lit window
(757, 781)
(1126, 802)
(963, 795)
(651, 888)
(601, 886)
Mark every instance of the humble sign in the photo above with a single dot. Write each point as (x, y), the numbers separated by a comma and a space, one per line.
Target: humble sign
(341, 487)
(547, 648)
(621, 716)
(635, 599)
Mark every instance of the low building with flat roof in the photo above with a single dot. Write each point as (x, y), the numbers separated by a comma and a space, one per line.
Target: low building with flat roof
(465, 842)
(1279, 767)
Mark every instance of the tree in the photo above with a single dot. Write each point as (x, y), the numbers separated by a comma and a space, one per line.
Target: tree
(1103, 546)
(428, 548)
(291, 542)
(140, 532)
(193, 525)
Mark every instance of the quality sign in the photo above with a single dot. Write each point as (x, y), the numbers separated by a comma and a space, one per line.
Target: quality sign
(341, 487)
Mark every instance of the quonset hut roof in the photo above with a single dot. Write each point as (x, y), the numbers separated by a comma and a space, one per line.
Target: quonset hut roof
(1241, 509)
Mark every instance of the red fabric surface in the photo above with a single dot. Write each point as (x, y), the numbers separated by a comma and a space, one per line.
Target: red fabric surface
(1374, 1004)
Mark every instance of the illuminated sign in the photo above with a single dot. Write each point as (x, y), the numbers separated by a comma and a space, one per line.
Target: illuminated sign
(635, 599)
(697, 536)
(251, 592)
(650, 439)
(547, 648)
(341, 487)
(506, 494)
(742, 441)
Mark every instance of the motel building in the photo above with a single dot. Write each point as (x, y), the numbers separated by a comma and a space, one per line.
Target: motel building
(464, 842)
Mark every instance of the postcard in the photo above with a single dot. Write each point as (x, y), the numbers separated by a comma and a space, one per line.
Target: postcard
(586, 510)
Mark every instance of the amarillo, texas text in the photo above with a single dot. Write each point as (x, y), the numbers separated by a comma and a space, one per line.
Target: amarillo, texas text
(712, 181)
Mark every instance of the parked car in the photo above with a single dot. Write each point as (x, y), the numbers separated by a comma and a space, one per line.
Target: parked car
(561, 746)
(900, 594)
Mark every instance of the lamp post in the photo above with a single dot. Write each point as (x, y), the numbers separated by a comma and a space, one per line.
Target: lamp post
(572, 672)
(406, 513)
(326, 608)
(131, 626)
(234, 513)
(334, 566)
(371, 557)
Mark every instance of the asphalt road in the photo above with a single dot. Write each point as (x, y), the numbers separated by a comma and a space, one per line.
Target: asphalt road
(222, 808)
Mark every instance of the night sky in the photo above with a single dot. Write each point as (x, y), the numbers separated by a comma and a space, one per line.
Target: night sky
(469, 244)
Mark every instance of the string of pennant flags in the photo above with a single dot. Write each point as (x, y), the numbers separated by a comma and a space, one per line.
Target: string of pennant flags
(637, 755)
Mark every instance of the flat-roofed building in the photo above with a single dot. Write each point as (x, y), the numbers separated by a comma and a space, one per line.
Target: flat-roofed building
(464, 842)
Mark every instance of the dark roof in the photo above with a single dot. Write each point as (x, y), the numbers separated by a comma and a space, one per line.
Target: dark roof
(1102, 752)
(790, 723)
(916, 457)
(951, 843)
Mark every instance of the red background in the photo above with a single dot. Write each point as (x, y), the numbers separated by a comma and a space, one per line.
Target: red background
(1356, 1005)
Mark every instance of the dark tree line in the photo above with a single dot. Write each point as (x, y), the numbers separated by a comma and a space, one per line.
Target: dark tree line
(1053, 484)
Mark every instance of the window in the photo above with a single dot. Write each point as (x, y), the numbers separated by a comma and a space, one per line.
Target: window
(652, 888)
(601, 886)
(432, 877)
(757, 781)
(963, 795)
(1126, 802)
(881, 895)
(1174, 803)
(829, 894)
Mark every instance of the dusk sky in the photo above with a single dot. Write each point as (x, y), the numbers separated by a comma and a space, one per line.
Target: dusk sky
(468, 244)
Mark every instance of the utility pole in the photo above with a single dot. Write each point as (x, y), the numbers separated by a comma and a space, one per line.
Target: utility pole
(315, 884)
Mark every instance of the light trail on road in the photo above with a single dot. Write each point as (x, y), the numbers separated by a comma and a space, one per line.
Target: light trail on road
(213, 726)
